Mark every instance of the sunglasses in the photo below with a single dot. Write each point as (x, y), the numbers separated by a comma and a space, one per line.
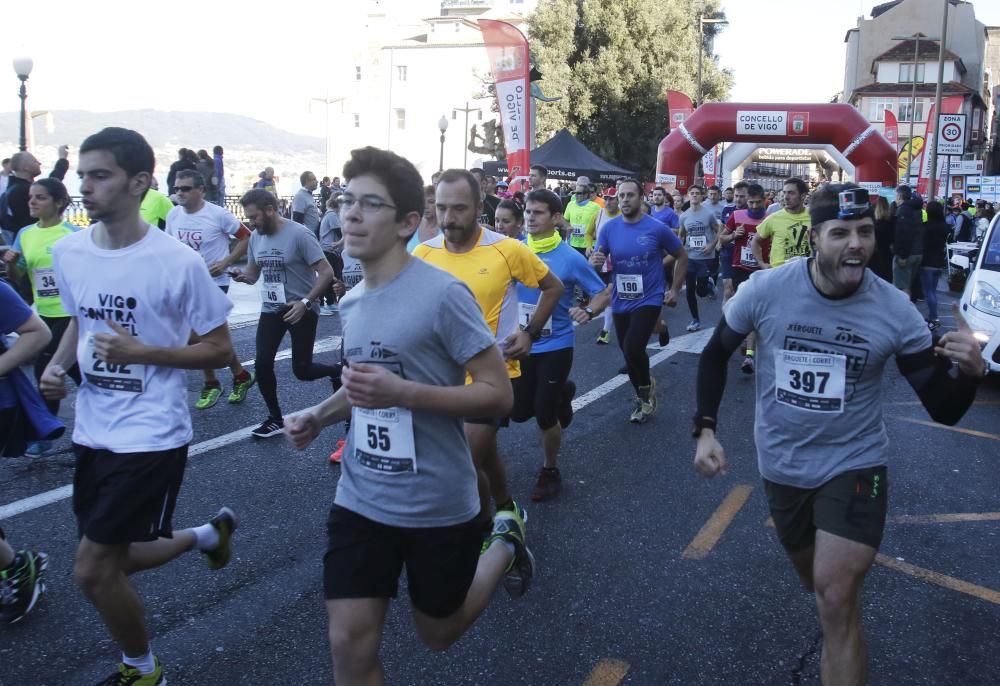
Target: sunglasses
(184, 189)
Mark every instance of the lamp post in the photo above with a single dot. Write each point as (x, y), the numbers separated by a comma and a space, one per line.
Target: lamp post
(701, 46)
(327, 100)
(467, 110)
(932, 189)
(913, 97)
(443, 126)
(22, 67)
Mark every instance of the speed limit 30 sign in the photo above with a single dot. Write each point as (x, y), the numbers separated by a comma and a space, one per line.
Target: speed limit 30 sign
(951, 136)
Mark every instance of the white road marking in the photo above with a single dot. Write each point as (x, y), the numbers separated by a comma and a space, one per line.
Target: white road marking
(686, 343)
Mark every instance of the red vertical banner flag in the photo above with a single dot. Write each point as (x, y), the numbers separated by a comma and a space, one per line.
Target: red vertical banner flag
(679, 108)
(509, 62)
(950, 105)
(892, 129)
(708, 166)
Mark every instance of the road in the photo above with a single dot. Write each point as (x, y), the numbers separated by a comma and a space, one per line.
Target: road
(647, 574)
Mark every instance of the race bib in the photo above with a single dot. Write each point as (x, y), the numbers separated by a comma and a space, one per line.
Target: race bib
(810, 381)
(629, 286)
(45, 282)
(578, 231)
(746, 257)
(272, 293)
(383, 440)
(524, 314)
(125, 378)
(697, 241)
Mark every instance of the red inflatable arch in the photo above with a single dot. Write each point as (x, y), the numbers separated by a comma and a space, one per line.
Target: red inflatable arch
(837, 124)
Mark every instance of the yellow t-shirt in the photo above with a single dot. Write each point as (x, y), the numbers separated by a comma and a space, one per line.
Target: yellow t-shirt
(583, 223)
(789, 234)
(155, 206)
(490, 270)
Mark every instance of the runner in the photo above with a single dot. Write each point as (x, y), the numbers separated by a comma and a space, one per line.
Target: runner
(32, 253)
(296, 274)
(636, 244)
(304, 209)
(663, 209)
(490, 264)
(20, 571)
(581, 217)
(826, 328)
(408, 492)
(136, 294)
(609, 212)
(741, 227)
(221, 240)
(739, 197)
(787, 228)
(352, 275)
(543, 390)
(510, 219)
(699, 232)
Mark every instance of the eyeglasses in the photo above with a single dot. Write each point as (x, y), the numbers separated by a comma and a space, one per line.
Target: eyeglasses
(370, 204)
(184, 189)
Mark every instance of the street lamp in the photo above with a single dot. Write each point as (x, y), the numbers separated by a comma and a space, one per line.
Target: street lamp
(443, 126)
(701, 46)
(454, 115)
(22, 67)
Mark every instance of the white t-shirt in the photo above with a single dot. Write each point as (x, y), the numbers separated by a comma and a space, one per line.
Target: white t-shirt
(206, 231)
(160, 291)
(352, 271)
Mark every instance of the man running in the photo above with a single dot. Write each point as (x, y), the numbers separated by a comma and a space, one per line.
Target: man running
(699, 231)
(296, 274)
(213, 232)
(491, 265)
(826, 328)
(609, 212)
(663, 208)
(543, 390)
(135, 295)
(408, 490)
(581, 217)
(636, 244)
(738, 194)
(788, 228)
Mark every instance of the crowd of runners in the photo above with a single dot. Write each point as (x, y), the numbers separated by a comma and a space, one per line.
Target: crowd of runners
(123, 309)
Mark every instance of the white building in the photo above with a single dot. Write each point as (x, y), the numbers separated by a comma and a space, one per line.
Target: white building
(411, 62)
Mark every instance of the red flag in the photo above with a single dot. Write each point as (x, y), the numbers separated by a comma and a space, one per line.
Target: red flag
(508, 53)
(679, 108)
(950, 105)
(891, 129)
(708, 161)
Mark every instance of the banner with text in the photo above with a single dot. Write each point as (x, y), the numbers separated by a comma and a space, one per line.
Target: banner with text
(679, 108)
(771, 123)
(509, 62)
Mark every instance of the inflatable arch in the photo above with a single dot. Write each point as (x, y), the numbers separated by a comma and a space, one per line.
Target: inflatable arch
(836, 124)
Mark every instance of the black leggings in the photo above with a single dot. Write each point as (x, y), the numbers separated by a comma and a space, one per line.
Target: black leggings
(538, 391)
(337, 263)
(633, 330)
(696, 281)
(57, 325)
(270, 330)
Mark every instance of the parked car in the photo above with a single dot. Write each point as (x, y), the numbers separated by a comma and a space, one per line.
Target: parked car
(980, 300)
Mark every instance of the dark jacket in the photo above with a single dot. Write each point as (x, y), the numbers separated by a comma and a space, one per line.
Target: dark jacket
(909, 230)
(935, 240)
(176, 167)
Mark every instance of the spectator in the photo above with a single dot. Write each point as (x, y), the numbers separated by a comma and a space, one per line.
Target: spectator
(206, 167)
(908, 239)
(220, 173)
(324, 194)
(5, 174)
(267, 181)
(186, 159)
(935, 240)
(881, 262)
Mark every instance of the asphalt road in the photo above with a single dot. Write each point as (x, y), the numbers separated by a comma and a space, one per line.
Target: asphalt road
(633, 587)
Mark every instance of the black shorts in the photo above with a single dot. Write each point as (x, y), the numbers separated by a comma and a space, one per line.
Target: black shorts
(495, 422)
(123, 498)
(740, 276)
(539, 389)
(851, 505)
(364, 559)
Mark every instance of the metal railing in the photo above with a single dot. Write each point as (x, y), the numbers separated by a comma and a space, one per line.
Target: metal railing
(77, 215)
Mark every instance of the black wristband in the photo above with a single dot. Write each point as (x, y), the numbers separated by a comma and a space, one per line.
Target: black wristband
(534, 335)
(702, 423)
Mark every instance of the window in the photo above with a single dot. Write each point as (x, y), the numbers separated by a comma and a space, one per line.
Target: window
(400, 119)
(357, 73)
(401, 72)
(877, 108)
(906, 73)
(918, 110)
(357, 121)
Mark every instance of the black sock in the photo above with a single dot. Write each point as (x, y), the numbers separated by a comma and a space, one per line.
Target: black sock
(509, 505)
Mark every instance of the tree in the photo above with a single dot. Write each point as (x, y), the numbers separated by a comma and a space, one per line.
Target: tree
(612, 62)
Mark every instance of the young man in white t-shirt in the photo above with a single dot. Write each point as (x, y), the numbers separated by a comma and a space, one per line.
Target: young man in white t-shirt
(221, 239)
(135, 296)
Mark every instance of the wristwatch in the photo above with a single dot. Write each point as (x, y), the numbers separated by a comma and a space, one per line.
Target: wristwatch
(702, 423)
(306, 302)
(535, 335)
(590, 312)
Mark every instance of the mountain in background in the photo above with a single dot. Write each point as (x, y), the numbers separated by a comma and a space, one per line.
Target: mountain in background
(250, 144)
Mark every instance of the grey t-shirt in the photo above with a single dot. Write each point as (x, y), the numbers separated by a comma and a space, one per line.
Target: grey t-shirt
(305, 203)
(701, 226)
(330, 231)
(434, 483)
(285, 260)
(819, 370)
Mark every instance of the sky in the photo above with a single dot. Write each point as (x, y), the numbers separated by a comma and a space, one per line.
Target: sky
(266, 60)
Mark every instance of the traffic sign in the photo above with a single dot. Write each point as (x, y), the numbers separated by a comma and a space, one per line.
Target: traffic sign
(951, 140)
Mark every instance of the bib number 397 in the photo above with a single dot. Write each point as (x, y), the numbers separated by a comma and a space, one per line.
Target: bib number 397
(383, 440)
(810, 381)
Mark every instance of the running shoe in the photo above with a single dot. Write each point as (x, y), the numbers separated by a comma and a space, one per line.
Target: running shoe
(338, 454)
(548, 485)
(636, 417)
(268, 429)
(604, 337)
(241, 388)
(21, 585)
(516, 508)
(664, 338)
(225, 522)
(566, 404)
(509, 527)
(747, 366)
(130, 676)
(38, 448)
(209, 396)
(648, 400)
(694, 325)
(711, 288)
